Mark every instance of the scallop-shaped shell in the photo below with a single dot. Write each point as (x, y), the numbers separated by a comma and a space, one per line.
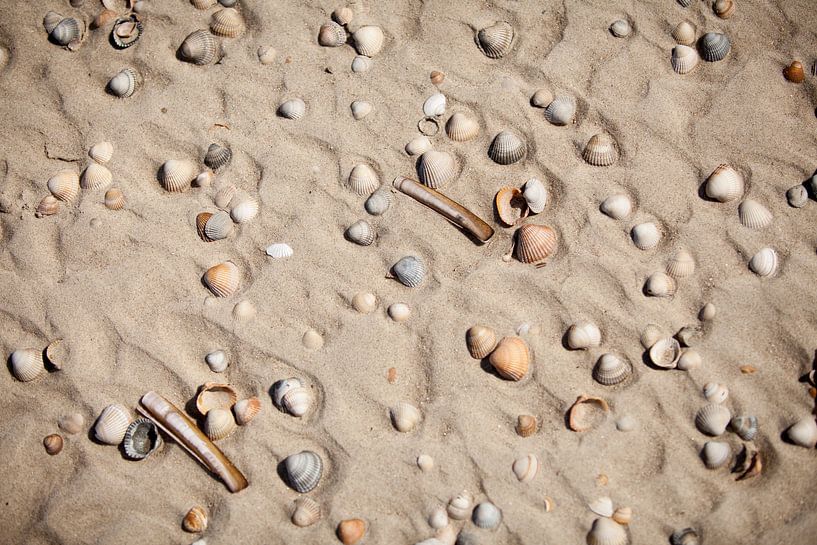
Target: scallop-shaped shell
(623, 515)
(716, 454)
(419, 145)
(203, 4)
(684, 33)
(292, 109)
(331, 34)
(600, 150)
(201, 221)
(48, 206)
(606, 531)
(715, 393)
(754, 215)
(436, 168)
(410, 271)
(95, 177)
(223, 279)
(535, 194)
(714, 46)
(364, 302)
(279, 250)
(213, 395)
(343, 15)
(435, 105)
(195, 521)
(681, 264)
(712, 419)
(659, 284)
(361, 232)
(361, 64)
(646, 236)
(112, 424)
(405, 416)
(617, 206)
(246, 409)
(141, 439)
(27, 364)
(803, 432)
(535, 243)
(561, 111)
(460, 506)
(67, 31)
(611, 370)
(511, 206)
(525, 425)
(307, 512)
(583, 335)
(219, 423)
(218, 226)
(496, 40)
(369, 40)
(126, 32)
(725, 184)
(480, 340)
(685, 536)
(114, 199)
(511, 358)
(363, 180)
(461, 128)
(101, 152)
(360, 109)
(64, 185)
(227, 22)
(225, 195)
(297, 401)
(176, 175)
(665, 353)
(506, 148)
(684, 59)
(245, 210)
(724, 8)
(651, 334)
(487, 515)
(745, 426)
(379, 201)
(525, 468)
(764, 263)
(51, 20)
(217, 156)
(351, 531)
(303, 470)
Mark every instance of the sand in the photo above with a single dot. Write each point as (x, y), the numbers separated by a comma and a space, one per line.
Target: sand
(124, 288)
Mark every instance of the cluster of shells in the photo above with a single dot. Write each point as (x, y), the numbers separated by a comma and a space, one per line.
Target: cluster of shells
(509, 356)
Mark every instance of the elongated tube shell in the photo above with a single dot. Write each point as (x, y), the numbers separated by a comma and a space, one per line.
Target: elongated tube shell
(511, 358)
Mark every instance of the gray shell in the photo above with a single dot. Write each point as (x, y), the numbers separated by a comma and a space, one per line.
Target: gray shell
(219, 226)
(410, 271)
(487, 515)
(123, 84)
(217, 156)
(561, 110)
(141, 438)
(745, 426)
(506, 148)
(303, 470)
(199, 47)
(360, 232)
(797, 196)
(714, 46)
(379, 201)
(66, 31)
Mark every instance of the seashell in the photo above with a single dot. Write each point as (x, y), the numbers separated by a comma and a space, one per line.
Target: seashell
(51, 20)
(114, 199)
(368, 40)
(623, 515)
(361, 232)
(460, 506)
(405, 416)
(707, 312)
(244, 310)
(681, 264)
(101, 153)
(437, 77)
(246, 409)
(611, 370)
(684, 33)
(716, 454)
(363, 180)
(331, 34)
(714, 46)
(217, 156)
(712, 419)
(480, 340)
(605, 531)
(583, 335)
(303, 471)
(534, 243)
(201, 222)
(535, 194)
(312, 340)
(745, 426)
(626, 423)
(227, 22)
(141, 439)
(496, 40)
(794, 72)
(48, 206)
(360, 109)
(292, 109)
(724, 184)
(461, 128)
(399, 312)
(297, 401)
(219, 423)
(561, 110)
(511, 206)
(195, 521)
(525, 425)
(602, 506)
(112, 424)
(266, 54)
(126, 32)
(410, 271)
(280, 389)
(218, 226)
(27, 364)
(616, 206)
(506, 148)
(646, 236)
(203, 4)
(715, 393)
(511, 358)
(525, 468)
(764, 263)
(687, 335)
(213, 395)
(56, 353)
(797, 196)
(426, 464)
(724, 8)
(225, 195)
(754, 215)
(95, 177)
(651, 334)
(803, 432)
(434, 105)
(438, 518)
(53, 444)
(436, 168)
(487, 515)
(621, 28)
(223, 279)
(279, 250)
(361, 64)
(71, 423)
(419, 145)
(685, 536)
(541, 98)
(364, 302)
(64, 185)
(307, 512)
(176, 175)
(665, 353)
(343, 15)
(659, 284)
(103, 18)
(689, 359)
(600, 150)
(244, 211)
(684, 59)
(67, 31)
(217, 361)
(378, 202)
(351, 531)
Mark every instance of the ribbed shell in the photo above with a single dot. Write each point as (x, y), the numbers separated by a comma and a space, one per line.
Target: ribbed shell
(361, 232)
(331, 34)
(343, 15)
(141, 438)
(196, 520)
(525, 425)
(27, 364)
(684, 33)
(307, 512)
(379, 201)
(665, 352)
(369, 40)
(123, 84)
(223, 279)
(600, 150)
(245, 210)
(363, 180)
(606, 531)
(685, 3)
(561, 110)
(203, 4)
(803, 432)
(112, 424)
(725, 184)
(218, 226)
(48, 206)
(279, 250)
(536, 195)
(712, 419)
(280, 388)
(480, 340)
(64, 185)
(436, 168)
(754, 215)
(95, 177)
(199, 48)
(611, 370)
(724, 8)
(681, 264)
(525, 468)
(684, 59)
(659, 284)
(101, 153)
(506, 148)
(224, 196)
(297, 401)
(177, 174)
(461, 128)
(126, 32)
(511, 358)
(496, 40)
(583, 335)
(487, 515)
(114, 199)
(410, 271)
(292, 109)
(51, 20)
(405, 416)
(541, 98)
(646, 236)
(535, 243)
(246, 409)
(227, 22)
(714, 46)
(684, 536)
(219, 424)
(745, 426)
(617, 206)
(303, 470)
(201, 222)
(66, 31)
(716, 454)
(764, 263)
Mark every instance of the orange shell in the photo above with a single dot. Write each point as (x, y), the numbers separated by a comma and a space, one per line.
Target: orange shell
(535, 243)
(580, 417)
(794, 72)
(213, 395)
(195, 521)
(351, 531)
(511, 206)
(201, 221)
(223, 279)
(511, 358)
(525, 425)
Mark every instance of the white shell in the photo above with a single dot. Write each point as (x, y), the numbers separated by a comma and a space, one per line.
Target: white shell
(606, 531)
(95, 177)
(280, 389)
(716, 454)
(535, 194)
(461, 128)
(27, 364)
(681, 264)
(297, 401)
(434, 105)
(659, 284)
(583, 335)
(460, 506)
(244, 211)
(561, 110)
(436, 168)
(405, 416)
(363, 180)
(123, 84)
(266, 54)
(101, 153)
(754, 215)
(361, 232)
(399, 312)
(219, 423)
(506, 148)
(764, 263)
(369, 40)
(379, 201)
(617, 206)
(602, 506)
(360, 109)
(303, 470)
(684, 33)
(361, 64)
(279, 250)
(426, 464)
(217, 361)
(176, 175)
(438, 518)
(487, 515)
(541, 98)
(650, 336)
(419, 145)
(410, 271)
(292, 109)
(364, 302)
(611, 370)
(621, 28)
(689, 359)
(725, 184)
(525, 468)
(112, 424)
(712, 419)
(715, 393)
(64, 185)
(803, 432)
(646, 236)
(684, 59)
(665, 353)
(307, 512)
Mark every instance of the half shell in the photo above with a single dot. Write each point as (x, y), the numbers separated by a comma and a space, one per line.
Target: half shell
(506, 148)
(307, 512)
(217, 156)
(659, 284)
(126, 32)
(646, 236)
(141, 439)
(112, 424)
(223, 279)
(803, 432)
(114, 199)
(606, 531)
(535, 243)
(292, 109)
(712, 419)
(481, 341)
(681, 264)
(361, 232)
(684, 33)
(405, 416)
(511, 358)
(399, 312)
(227, 22)
(561, 111)
(279, 250)
(246, 409)
(176, 175)
(95, 177)
(303, 470)
(611, 370)
(725, 184)
(586, 413)
(583, 335)
(363, 180)
(600, 150)
(213, 395)
(436, 168)
(361, 64)
(218, 226)
(331, 34)
(716, 454)
(461, 128)
(496, 40)
(764, 263)
(665, 353)
(27, 364)
(511, 206)
(369, 40)
(360, 109)
(64, 185)
(754, 215)
(410, 271)
(364, 302)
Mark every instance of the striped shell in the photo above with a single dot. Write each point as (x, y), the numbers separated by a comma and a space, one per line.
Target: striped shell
(461, 128)
(203, 4)
(605, 531)
(496, 40)
(511, 358)
(525, 425)
(363, 180)
(525, 468)
(176, 175)
(223, 279)
(112, 424)
(307, 512)
(659, 284)
(379, 201)
(141, 439)
(486, 515)
(224, 195)
(506, 148)
(583, 335)
(410, 271)
(48, 206)
(714, 46)
(716, 454)
(602, 506)
(681, 264)
(123, 84)
(684, 33)
(227, 22)
(201, 221)
(646, 236)
(67, 31)
(114, 199)
(218, 424)
(343, 15)
(745, 426)
(764, 263)
(754, 215)
(101, 153)
(665, 352)
(292, 109)
(27, 364)
(218, 226)
(617, 206)
(561, 111)
(95, 177)
(535, 194)
(195, 521)
(64, 185)
(684, 59)
(712, 419)
(279, 250)
(459, 506)
(535, 243)
(51, 20)
(331, 34)
(480, 340)
(436, 168)
(369, 40)
(405, 416)
(297, 401)
(611, 370)
(600, 150)
(198, 48)
(245, 210)
(725, 184)
(361, 232)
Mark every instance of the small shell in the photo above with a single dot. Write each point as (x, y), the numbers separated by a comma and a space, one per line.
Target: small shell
(438, 518)
(364, 302)
(646, 236)
(606, 531)
(141, 439)
(112, 424)
(716, 454)
(123, 84)
(434, 105)
(480, 340)
(583, 335)
(764, 263)
(95, 177)
(48, 206)
(724, 184)
(217, 361)
(436, 168)
(227, 22)
(361, 64)
(754, 215)
(126, 32)
(351, 531)
(665, 353)
(57, 353)
(246, 409)
(279, 250)
(651, 334)
(681, 264)
(101, 153)
(292, 109)
(312, 340)
(611, 370)
(659, 284)
(600, 150)
(303, 470)
(399, 312)
(212, 395)
(280, 389)
(360, 109)
(419, 145)
(405, 416)
(64, 185)
(797, 196)
(461, 128)
(745, 426)
(623, 515)
(708, 312)
(617, 206)
(361, 232)
(803, 432)
(379, 201)
(685, 536)
(714, 46)
(460, 506)
(103, 18)
(67, 31)
(684, 33)
(219, 424)
(245, 210)
(535, 194)
(689, 359)
(307, 512)
(410, 271)
(794, 72)
(561, 111)
(223, 279)
(195, 521)
(51, 20)
(511, 206)
(525, 468)
(712, 419)
(176, 175)
(684, 59)
(225, 195)
(331, 34)
(724, 8)
(343, 15)
(426, 464)
(535, 243)
(217, 156)
(114, 199)
(626, 423)
(297, 401)
(496, 40)
(621, 28)
(526, 425)
(266, 54)
(506, 148)
(369, 40)
(244, 310)
(218, 226)
(27, 364)
(53, 444)
(487, 515)
(715, 393)
(511, 358)
(437, 77)
(602, 506)
(203, 4)
(363, 180)
(71, 423)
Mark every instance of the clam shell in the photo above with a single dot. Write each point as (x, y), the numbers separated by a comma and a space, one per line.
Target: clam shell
(461, 128)
(303, 470)
(57, 353)
(297, 401)
(724, 184)
(646, 236)
(112, 424)
(361, 232)
(363, 180)
(227, 22)
(611, 370)
(53, 444)
(716, 454)
(410, 271)
(246, 409)
(714, 46)
(534, 243)
(405, 416)
(794, 72)
(225, 195)
(434, 105)
(64, 185)
(617, 206)
(114, 199)
(51, 20)
(506, 148)
(715, 393)
(480, 340)
(369, 40)
(511, 206)
(684, 59)
(331, 34)
(219, 423)
(361, 64)
(126, 32)
(684, 33)
(561, 111)
(583, 335)
(141, 439)
(360, 109)
(379, 201)
(803, 432)
(67, 31)
(525, 468)
(659, 284)
(600, 150)
(460, 506)
(764, 263)
(399, 312)
(213, 395)
(623, 515)
(292, 109)
(218, 226)
(535, 194)
(436, 168)
(101, 153)
(621, 28)
(754, 215)
(605, 531)
(95, 177)
(651, 334)
(525, 425)
(685, 3)
(602, 506)
(724, 8)
(223, 279)
(48, 206)
(217, 361)
(438, 518)
(419, 145)
(280, 389)
(27, 364)
(364, 302)
(712, 419)
(201, 222)
(217, 156)
(343, 15)
(307, 512)
(496, 40)
(541, 98)
(351, 531)
(511, 358)
(244, 211)
(195, 521)
(203, 4)
(487, 515)
(176, 175)
(797, 196)
(681, 264)
(71, 423)
(665, 353)
(745, 426)
(279, 250)
(684, 536)
(690, 359)
(426, 464)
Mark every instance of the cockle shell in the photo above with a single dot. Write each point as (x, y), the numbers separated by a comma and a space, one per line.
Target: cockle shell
(101, 153)
(363, 180)
(623, 515)
(725, 184)
(535, 194)
(360, 109)
(213, 395)
(714, 46)
(201, 221)
(227, 22)
(218, 226)
(659, 284)
(461, 128)
(506, 148)
(434, 105)
(405, 416)
(684, 59)
(217, 156)
(114, 199)
(534, 243)
(606, 531)
(583, 335)
(665, 353)
(361, 232)
(419, 145)
(399, 312)
(525, 468)
(369, 40)
(203, 4)
(297, 400)
(123, 84)
(794, 72)
(176, 175)
(244, 310)
(496, 40)
(51, 20)
(72, 423)
(279, 250)
(53, 444)
(511, 358)
(611, 370)
(525, 425)
(223, 279)
(246, 409)
(195, 521)
(303, 470)
(225, 195)
(361, 64)
(141, 439)
(600, 150)
(67, 32)
(511, 206)
(438, 518)
(246, 209)
(307, 512)
(379, 201)
(126, 32)
(724, 8)
(621, 28)
(280, 389)
(27, 364)
(715, 393)
(712, 419)
(617, 206)
(684, 33)
(716, 454)
(364, 302)
(112, 424)
(57, 353)
(460, 505)
(219, 423)
(685, 536)
(541, 98)
(646, 236)
(651, 334)
(351, 531)
(561, 110)
(745, 426)
(480, 340)
(266, 54)
(64, 185)
(48, 206)
(487, 515)
(410, 271)
(754, 215)
(343, 15)
(602, 506)
(436, 168)
(764, 263)
(331, 34)
(681, 264)
(803, 432)
(217, 361)
(292, 109)
(95, 177)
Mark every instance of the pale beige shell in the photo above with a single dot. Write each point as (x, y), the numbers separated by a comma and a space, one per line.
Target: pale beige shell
(64, 185)
(343, 15)
(754, 215)
(298, 400)
(71, 423)
(227, 22)
(307, 512)
(617, 206)
(224, 195)
(57, 353)
(292, 109)
(213, 395)
(360, 109)
(418, 145)
(363, 180)
(27, 364)
(725, 184)
(684, 59)
(724, 8)
(623, 515)
(764, 263)
(602, 506)
(101, 153)
(681, 264)
(364, 302)
(651, 334)
(535, 243)
(203, 4)
(331, 34)
(246, 409)
(195, 521)
(586, 413)
(461, 128)
(511, 358)
(176, 175)
(480, 340)
(405, 416)
(715, 393)
(665, 353)
(712, 419)
(606, 531)
(803, 432)
(112, 424)
(583, 335)
(435, 168)
(600, 150)
(399, 312)
(459, 507)
(95, 176)
(684, 33)
(689, 359)
(611, 370)
(525, 468)
(48, 206)
(199, 48)
(218, 424)
(114, 199)
(369, 40)
(646, 236)
(541, 98)
(244, 210)
(659, 284)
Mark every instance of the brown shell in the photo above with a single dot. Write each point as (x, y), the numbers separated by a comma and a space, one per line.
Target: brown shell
(213, 395)
(511, 206)
(437, 77)
(587, 412)
(53, 444)
(511, 358)
(534, 243)
(195, 521)
(103, 18)
(201, 221)
(351, 531)
(526, 425)
(794, 72)
(48, 206)
(481, 341)
(246, 409)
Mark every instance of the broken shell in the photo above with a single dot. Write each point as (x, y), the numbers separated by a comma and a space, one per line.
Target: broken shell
(659, 284)
(244, 210)
(217, 361)
(715, 393)
(307, 512)
(360, 109)
(605, 531)
(461, 128)
(623, 515)
(665, 353)
(123, 84)
(803, 432)
(714, 46)
(481, 341)
(218, 226)
(361, 64)
(600, 150)
(48, 206)
(369, 40)
(126, 32)
(525, 468)
(534, 243)
(460, 506)
(487, 515)
(223, 279)
(797, 196)
(176, 175)
(399, 312)
(114, 199)
(511, 206)
(279, 250)
(246, 409)
(685, 536)
(621, 28)
(646, 236)
(681, 264)
(583, 335)
(690, 359)
(101, 153)
(602, 506)
(103, 18)
(506, 148)
(617, 206)
(379, 201)
(684, 59)
(496, 40)
(141, 439)
(511, 358)
(351, 531)
(112, 424)
(217, 156)
(535, 194)
(712, 419)
(64, 185)
(426, 464)
(684, 33)
(725, 184)
(764, 263)
(331, 34)
(541, 98)
(561, 111)
(303, 470)
(198, 48)
(745, 426)
(71, 423)
(292, 109)
(227, 22)
(436, 168)
(724, 8)
(754, 215)
(363, 180)
(195, 521)
(27, 364)
(434, 105)
(219, 423)
(364, 302)
(53, 444)
(405, 416)
(438, 518)
(611, 370)
(716, 454)
(361, 232)
(410, 271)
(794, 72)
(67, 31)
(213, 395)
(95, 177)
(525, 425)
(419, 145)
